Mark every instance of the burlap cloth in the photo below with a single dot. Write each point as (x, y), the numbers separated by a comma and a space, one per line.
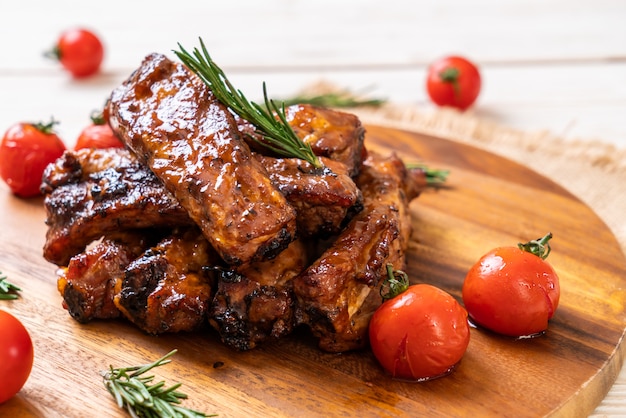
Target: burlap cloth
(592, 170)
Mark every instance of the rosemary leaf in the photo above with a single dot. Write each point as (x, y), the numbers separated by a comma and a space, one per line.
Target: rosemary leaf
(116, 391)
(166, 407)
(8, 290)
(270, 121)
(184, 412)
(137, 389)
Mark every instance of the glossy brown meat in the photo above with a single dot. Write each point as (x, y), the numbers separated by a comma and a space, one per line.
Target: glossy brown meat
(256, 304)
(338, 293)
(174, 124)
(168, 288)
(87, 284)
(75, 166)
(93, 192)
(92, 199)
(331, 133)
(324, 199)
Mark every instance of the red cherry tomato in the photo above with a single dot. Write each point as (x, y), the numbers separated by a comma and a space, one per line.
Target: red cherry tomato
(79, 51)
(98, 135)
(420, 334)
(453, 81)
(25, 151)
(513, 290)
(16, 353)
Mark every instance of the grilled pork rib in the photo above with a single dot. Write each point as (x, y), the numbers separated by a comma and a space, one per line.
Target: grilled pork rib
(256, 303)
(338, 293)
(331, 133)
(176, 126)
(87, 285)
(169, 287)
(324, 199)
(93, 192)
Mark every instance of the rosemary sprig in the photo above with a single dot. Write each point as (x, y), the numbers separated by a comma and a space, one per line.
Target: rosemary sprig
(141, 398)
(278, 134)
(434, 177)
(8, 290)
(339, 99)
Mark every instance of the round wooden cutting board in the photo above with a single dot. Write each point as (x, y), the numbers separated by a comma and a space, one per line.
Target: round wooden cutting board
(488, 201)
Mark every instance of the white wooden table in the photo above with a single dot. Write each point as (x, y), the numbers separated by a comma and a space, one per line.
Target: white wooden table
(551, 65)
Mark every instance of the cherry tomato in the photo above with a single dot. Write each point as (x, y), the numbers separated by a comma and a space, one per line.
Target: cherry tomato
(453, 81)
(420, 334)
(79, 51)
(513, 290)
(98, 135)
(16, 353)
(25, 151)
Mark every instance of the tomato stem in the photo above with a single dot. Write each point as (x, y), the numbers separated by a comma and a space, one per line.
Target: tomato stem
(539, 247)
(97, 117)
(53, 53)
(397, 281)
(46, 128)
(451, 75)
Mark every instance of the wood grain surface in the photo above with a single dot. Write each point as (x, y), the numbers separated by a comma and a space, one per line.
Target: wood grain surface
(489, 201)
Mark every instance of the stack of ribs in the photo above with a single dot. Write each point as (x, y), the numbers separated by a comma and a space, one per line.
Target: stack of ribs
(193, 223)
